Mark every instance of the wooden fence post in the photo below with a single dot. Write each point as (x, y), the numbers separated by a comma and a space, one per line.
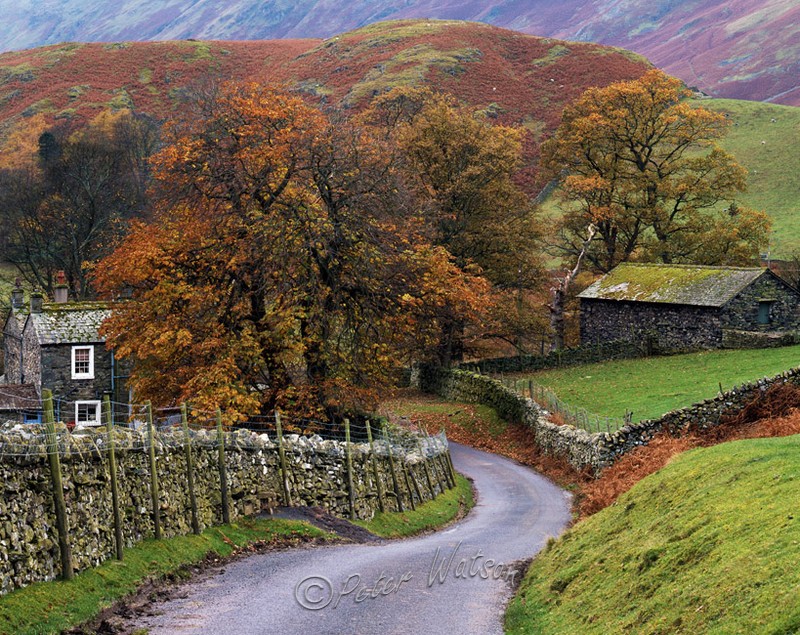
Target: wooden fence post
(404, 468)
(450, 465)
(351, 494)
(223, 472)
(112, 469)
(375, 472)
(187, 448)
(287, 500)
(414, 482)
(426, 468)
(151, 442)
(441, 476)
(397, 495)
(58, 489)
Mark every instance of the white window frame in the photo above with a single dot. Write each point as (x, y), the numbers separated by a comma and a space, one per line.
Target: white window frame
(90, 374)
(98, 410)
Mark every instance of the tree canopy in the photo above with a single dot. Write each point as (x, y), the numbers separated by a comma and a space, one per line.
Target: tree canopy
(278, 271)
(640, 163)
(62, 201)
(458, 173)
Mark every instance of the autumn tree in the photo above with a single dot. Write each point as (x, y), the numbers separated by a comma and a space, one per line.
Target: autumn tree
(641, 164)
(61, 208)
(277, 271)
(458, 171)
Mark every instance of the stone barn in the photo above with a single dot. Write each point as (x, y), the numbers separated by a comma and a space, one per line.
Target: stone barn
(684, 307)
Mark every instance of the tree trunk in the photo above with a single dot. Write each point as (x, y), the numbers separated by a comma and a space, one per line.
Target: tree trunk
(559, 295)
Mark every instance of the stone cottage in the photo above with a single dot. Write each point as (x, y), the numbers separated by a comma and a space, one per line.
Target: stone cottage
(57, 346)
(684, 307)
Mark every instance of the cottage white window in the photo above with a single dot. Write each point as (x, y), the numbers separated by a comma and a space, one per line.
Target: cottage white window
(87, 413)
(83, 362)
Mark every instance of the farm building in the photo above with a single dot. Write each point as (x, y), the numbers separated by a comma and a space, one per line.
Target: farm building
(57, 346)
(684, 307)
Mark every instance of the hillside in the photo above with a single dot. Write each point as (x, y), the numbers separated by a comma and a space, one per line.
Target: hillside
(709, 544)
(513, 77)
(746, 49)
(762, 139)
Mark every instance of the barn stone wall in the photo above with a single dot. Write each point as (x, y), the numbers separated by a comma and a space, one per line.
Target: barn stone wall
(668, 327)
(741, 313)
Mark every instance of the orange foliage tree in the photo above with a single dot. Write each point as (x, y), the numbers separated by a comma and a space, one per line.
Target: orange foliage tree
(277, 272)
(458, 172)
(639, 163)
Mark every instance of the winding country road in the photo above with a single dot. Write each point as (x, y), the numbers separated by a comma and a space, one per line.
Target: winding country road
(453, 582)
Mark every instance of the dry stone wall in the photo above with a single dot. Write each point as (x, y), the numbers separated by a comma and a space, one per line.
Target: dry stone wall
(581, 449)
(316, 473)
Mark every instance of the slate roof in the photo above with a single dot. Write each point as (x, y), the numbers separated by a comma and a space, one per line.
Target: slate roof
(672, 284)
(14, 397)
(70, 323)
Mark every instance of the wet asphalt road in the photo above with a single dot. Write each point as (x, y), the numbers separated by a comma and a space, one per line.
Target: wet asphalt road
(453, 582)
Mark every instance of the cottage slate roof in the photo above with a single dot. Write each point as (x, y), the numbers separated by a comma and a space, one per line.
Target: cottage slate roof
(70, 323)
(692, 285)
(14, 397)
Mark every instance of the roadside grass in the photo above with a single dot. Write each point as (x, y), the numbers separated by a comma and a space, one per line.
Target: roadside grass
(479, 427)
(435, 414)
(447, 507)
(709, 544)
(50, 607)
(652, 386)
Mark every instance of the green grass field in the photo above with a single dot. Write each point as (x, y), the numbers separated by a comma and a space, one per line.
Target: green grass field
(768, 149)
(710, 544)
(652, 386)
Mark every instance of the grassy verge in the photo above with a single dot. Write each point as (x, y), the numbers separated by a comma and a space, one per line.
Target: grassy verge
(432, 515)
(655, 385)
(709, 544)
(50, 607)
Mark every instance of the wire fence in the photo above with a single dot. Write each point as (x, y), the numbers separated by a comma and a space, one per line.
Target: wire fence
(172, 425)
(562, 412)
(354, 459)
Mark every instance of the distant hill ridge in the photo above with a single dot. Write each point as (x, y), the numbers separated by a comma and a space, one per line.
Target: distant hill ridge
(512, 77)
(745, 49)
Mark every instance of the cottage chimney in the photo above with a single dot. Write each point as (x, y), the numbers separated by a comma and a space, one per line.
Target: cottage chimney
(37, 299)
(17, 295)
(61, 289)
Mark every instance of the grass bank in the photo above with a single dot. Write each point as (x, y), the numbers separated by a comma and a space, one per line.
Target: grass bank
(50, 607)
(652, 386)
(446, 508)
(709, 544)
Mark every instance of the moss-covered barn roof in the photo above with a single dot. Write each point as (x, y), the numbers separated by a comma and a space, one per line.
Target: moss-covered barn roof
(672, 284)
